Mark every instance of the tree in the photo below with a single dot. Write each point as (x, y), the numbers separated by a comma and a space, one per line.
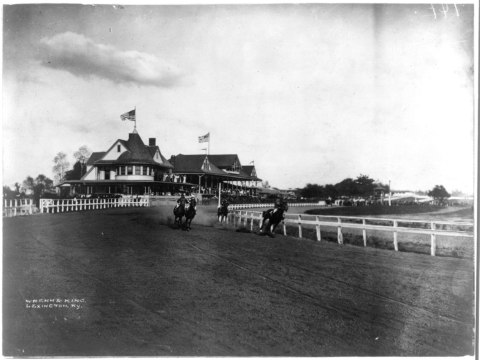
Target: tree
(439, 194)
(61, 166)
(42, 184)
(29, 183)
(346, 187)
(8, 193)
(331, 192)
(364, 185)
(82, 155)
(312, 191)
(76, 173)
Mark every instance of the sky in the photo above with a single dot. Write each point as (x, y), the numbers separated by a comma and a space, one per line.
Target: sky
(312, 93)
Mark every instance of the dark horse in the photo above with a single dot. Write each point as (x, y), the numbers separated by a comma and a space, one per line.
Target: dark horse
(222, 211)
(190, 213)
(271, 218)
(179, 212)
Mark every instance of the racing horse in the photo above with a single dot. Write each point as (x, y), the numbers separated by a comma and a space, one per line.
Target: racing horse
(179, 212)
(190, 213)
(222, 211)
(271, 218)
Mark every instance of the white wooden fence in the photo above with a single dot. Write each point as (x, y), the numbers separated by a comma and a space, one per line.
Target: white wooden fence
(17, 207)
(432, 228)
(269, 205)
(65, 205)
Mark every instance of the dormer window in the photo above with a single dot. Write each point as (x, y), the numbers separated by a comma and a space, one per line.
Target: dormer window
(119, 148)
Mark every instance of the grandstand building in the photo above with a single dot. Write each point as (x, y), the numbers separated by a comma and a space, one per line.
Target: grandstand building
(130, 167)
(209, 171)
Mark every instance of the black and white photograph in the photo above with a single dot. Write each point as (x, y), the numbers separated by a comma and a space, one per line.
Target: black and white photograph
(239, 179)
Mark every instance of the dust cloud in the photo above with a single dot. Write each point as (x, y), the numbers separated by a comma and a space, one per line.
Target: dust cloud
(206, 215)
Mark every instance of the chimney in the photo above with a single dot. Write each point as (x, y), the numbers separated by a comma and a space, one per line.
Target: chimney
(151, 141)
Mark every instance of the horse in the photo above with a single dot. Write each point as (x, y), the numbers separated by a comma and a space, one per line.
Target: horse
(179, 212)
(190, 213)
(222, 212)
(271, 218)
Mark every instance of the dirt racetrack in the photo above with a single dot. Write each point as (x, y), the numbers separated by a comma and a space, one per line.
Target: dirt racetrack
(124, 282)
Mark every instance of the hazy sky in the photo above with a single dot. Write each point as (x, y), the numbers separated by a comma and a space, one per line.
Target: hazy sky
(312, 93)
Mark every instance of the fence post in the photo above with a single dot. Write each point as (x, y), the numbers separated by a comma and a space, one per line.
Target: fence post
(395, 240)
(433, 240)
(300, 226)
(284, 228)
(364, 233)
(339, 232)
(319, 234)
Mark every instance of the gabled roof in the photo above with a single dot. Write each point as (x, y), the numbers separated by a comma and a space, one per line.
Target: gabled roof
(137, 153)
(153, 150)
(224, 160)
(193, 164)
(95, 157)
(249, 170)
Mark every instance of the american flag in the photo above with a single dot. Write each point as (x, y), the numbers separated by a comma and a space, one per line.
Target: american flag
(204, 138)
(128, 115)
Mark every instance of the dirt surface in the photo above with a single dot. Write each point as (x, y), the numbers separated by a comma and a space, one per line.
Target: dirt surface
(132, 285)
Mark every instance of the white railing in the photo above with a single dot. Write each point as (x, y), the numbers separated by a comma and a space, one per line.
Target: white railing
(17, 207)
(252, 206)
(67, 205)
(241, 218)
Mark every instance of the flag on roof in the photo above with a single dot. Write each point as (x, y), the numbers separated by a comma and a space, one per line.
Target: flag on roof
(128, 115)
(204, 138)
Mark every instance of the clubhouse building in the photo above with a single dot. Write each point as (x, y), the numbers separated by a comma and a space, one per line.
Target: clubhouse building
(130, 167)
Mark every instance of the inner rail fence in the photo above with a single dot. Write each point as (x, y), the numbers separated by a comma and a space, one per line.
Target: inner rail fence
(267, 205)
(433, 228)
(68, 205)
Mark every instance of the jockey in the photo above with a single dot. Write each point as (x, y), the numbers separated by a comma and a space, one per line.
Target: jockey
(193, 202)
(181, 201)
(278, 205)
(225, 203)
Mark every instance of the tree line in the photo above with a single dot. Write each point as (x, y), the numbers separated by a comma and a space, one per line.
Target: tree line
(42, 185)
(362, 186)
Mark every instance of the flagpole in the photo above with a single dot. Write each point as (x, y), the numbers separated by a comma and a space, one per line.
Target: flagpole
(208, 143)
(135, 122)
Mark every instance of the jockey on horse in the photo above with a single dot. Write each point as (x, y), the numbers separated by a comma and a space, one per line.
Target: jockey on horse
(272, 217)
(222, 211)
(190, 212)
(179, 210)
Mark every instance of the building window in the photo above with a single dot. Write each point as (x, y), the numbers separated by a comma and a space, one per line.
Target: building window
(129, 170)
(138, 170)
(119, 148)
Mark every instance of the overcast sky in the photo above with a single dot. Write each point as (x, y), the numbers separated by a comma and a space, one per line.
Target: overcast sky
(312, 93)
